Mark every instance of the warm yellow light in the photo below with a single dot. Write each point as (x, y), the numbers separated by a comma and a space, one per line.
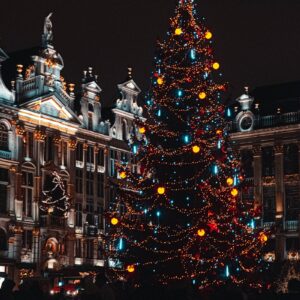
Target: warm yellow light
(114, 221)
(201, 232)
(161, 190)
(178, 31)
(142, 130)
(208, 35)
(219, 131)
(263, 238)
(202, 95)
(196, 149)
(50, 210)
(229, 181)
(216, 66)
(130, 269)
(160, 80)
(123, 175)
(234, 192)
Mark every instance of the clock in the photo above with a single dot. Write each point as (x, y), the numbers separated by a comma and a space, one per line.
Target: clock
(245, 121)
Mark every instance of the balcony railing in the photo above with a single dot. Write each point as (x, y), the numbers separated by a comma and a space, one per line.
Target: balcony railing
(5, 154)
(271, 121)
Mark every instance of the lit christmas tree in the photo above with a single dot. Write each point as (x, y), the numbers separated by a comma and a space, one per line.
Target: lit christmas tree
(180, 218)
(55, 200)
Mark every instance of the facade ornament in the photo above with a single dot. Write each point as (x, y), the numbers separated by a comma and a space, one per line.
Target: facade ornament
(278, 148)
(39, 134)
(72, 143)
(20, 130)
(85, 146)
(47, 33)
(256, 149)
(57, 139)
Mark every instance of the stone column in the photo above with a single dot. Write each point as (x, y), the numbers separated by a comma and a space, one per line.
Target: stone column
(71, 248)
(85, 147)
(17, 243)
(257, 176)
(280, 209)
(57, 149)
(11, 195)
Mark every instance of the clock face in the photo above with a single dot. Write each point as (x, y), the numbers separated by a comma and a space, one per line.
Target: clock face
(246, 123)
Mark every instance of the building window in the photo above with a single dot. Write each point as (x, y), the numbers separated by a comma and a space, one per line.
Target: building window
(90, 155)
(100, 185)
(78, 214)
(292, 201)
(90, 183)
(27, 192)
(90, 212)
(78, 248)
(89, 248)
(3, 190)
(124, 130)
(291, 159)
(113, 160)
(48, 150)
(100, 157)
(79, 180)
(79, 152)
(3, 240)
(247, 163)
(27, 239)
(100, 216)
(268, 163)
(269, 203)
(3, 137)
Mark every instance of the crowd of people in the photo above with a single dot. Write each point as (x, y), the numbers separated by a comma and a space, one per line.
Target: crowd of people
(99, 289)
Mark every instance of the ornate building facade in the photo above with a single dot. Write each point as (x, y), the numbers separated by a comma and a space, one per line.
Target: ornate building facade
(46, 128)
(265, 129)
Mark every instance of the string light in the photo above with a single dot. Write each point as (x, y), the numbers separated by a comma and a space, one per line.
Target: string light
(208, 35)
(114, 221)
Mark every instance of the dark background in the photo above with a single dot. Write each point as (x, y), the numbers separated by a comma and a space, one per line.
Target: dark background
(257, 42)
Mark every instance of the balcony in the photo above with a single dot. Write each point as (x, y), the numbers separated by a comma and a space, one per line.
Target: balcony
(5, 154)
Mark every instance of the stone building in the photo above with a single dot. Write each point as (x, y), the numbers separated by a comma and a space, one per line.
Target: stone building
(265, 129)
(46, 128)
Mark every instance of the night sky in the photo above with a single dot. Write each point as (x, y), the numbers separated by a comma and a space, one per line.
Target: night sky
(257, 42)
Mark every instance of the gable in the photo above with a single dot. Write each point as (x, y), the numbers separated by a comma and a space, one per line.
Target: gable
(52, 107)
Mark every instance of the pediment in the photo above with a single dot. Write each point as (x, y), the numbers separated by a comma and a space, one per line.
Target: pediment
(130, 85)
(93, 86)
(51, 106)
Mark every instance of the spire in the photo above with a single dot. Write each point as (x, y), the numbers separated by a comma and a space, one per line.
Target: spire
(47, 37)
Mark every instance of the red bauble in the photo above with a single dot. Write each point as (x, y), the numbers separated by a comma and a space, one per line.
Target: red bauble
(156, 74)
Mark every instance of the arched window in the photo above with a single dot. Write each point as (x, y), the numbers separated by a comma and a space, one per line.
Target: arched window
(3, 137)
(3, 240)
